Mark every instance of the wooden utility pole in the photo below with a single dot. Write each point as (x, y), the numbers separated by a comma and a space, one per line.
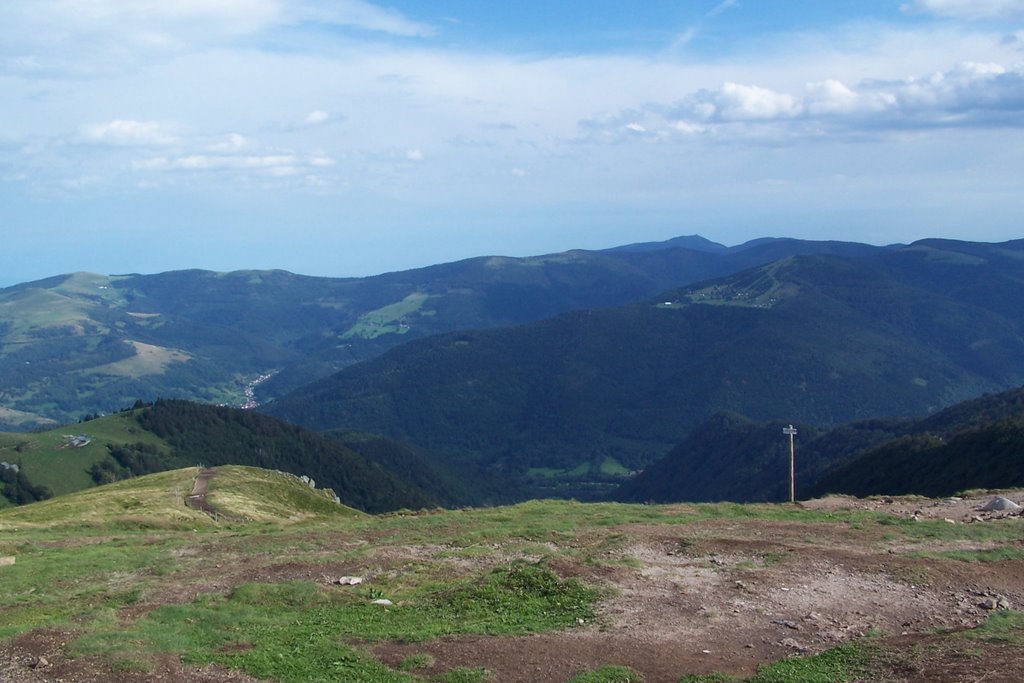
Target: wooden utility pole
(792, 478)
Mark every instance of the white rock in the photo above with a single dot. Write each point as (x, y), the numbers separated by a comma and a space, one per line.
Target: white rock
(349, 580)
(1000, 503)
(381, 601)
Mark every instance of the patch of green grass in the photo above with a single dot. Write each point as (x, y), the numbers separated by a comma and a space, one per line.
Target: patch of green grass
(131, 665)
(53, 585)
(1003, 554)
(995, 530)
(296, 631)
(1004, 626)
(710, 678)
(420, 660)
(609, 674)
(47, 462)
(612, 467)
(263, 494)
(387, 319)
(464, 675)
(155, 501)
(546, 472)
(844, 663)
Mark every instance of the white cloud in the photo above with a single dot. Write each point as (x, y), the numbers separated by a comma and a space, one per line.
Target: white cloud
(74, 38)
(971, 94)
(233, 142)
(234, 16)
(967, 9)
(275, 165)
(207, 162)
(359, 14)
(414, 155)
(128, 132)
(316, 118)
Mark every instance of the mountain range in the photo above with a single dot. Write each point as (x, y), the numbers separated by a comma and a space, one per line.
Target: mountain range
(553, 375)
(587, 396)
(80, 344)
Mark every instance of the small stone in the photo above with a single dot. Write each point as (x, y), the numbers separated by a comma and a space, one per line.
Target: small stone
(1003, 603)
(793, 645)
(381, 601)
(349, 580)
(989, 603)
(787, 623)
(6, 561)
(707, 652)
(740, 585)
(950, 521)
(40, 663)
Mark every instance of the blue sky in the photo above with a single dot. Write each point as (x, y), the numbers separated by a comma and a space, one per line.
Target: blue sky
(350, 137)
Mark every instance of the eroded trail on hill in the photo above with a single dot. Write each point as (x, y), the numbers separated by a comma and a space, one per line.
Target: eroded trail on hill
(197, 499)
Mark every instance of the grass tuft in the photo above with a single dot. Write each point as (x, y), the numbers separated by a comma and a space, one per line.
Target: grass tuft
(609, 674)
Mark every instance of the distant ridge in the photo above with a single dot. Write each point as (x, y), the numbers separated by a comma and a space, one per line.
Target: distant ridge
(83, 343)
(692, 242)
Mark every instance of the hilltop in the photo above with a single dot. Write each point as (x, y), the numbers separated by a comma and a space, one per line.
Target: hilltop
(125, 582)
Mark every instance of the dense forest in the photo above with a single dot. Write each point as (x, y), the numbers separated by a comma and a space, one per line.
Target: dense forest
(974, 444)
(16, 488)
(216, 435)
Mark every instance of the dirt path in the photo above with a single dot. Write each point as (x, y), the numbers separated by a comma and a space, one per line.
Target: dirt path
(197, 499)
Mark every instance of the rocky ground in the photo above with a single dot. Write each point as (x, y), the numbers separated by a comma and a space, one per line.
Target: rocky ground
(721, 595)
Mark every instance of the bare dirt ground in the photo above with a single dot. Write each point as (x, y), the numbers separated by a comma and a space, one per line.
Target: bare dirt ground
(722, 595)
(729, 595)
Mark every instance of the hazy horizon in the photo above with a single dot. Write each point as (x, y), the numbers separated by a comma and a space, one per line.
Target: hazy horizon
(351, 138)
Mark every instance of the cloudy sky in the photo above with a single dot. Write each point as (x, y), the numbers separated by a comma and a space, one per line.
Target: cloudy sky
(346, 137)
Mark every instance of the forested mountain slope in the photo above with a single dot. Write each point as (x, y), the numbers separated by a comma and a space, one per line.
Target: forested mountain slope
(977, 443)
(817, 340)
(83, 343)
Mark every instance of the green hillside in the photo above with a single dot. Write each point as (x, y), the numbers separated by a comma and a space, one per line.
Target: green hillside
(171, 433)
(80, 344)
(158, 501)
(60, 458)
(813, 340)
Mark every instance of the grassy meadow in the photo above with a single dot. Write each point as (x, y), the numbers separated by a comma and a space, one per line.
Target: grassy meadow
(127, 575)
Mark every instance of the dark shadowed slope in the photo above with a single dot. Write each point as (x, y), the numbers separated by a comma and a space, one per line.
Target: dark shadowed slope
(818, 340)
